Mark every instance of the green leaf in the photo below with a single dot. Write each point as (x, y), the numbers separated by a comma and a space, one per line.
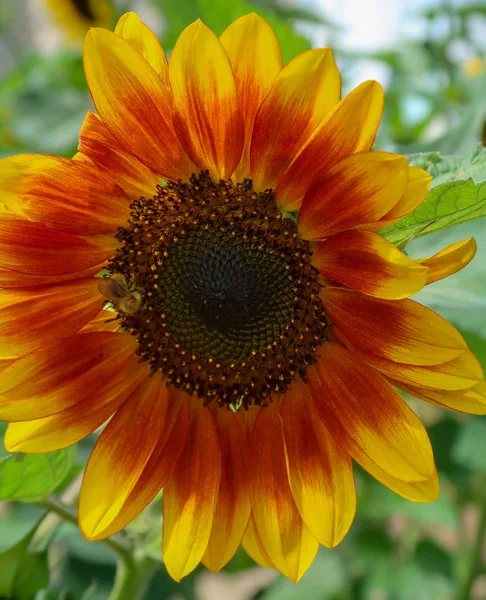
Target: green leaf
(325, 578)
(447, 168)
(32, 575)
(446, 205)
(31, 477)
(470, 447)
(12, 561)
(90, 592)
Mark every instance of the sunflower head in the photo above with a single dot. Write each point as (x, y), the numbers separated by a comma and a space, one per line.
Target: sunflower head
(232, 205)
(75, 17)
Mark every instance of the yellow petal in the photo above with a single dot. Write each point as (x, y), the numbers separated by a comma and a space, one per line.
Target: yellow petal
(50, 312)
(233, 505)
(69, 195)
(190, 496)
(134, 104)
(351, 127)
(256, 59)
(471, 401)
(145, 42)
(121, 454)
(162, 461)
(450, 260)
(207, 113)
(369, 264)
(421, 491)
(253, 546)
(302, 94)
(280, 528)
(402, 331)
(320, 470)
(96, 141)
(364, 412)
(79, 394)
(461, 373)
(415, 193)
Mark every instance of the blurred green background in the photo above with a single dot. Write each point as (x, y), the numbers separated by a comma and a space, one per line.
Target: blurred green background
(431, 57)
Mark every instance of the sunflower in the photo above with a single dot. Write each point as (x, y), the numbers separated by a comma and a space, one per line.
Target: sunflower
(75, 17)
(223, 211)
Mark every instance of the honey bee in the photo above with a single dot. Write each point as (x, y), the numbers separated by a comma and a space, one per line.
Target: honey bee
(125, 300)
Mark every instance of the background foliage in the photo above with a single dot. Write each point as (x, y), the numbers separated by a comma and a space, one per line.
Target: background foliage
(396, 550)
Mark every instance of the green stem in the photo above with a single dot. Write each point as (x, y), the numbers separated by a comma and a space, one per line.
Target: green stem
(132, 579)
(475, 561)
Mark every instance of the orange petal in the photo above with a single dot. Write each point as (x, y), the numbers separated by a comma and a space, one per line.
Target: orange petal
(104, 320)
(159, 466)
(361, 188)
(368, 416)
(350, 128)
(207, 113)
(402, 331)
(121, 455)
(280, 528)
(65, 194)
(255, 56)
(69, 371)
(145, 42)
(14, 279)
(233, 505)
(303, 93)
(421, 491)
(320, 471)
(134, 104)
(96, 141)
(35, 249)
(33, 317)
(113, 372)
(190, 496)
(253, 546)
(471, 401)
(4, 363)
(367, 263)
(450, 260)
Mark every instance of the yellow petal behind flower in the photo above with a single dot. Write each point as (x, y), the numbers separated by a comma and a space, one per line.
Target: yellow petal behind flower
(450, 260)
(143, 39)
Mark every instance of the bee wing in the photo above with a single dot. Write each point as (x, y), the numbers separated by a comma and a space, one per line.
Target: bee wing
(112, 289)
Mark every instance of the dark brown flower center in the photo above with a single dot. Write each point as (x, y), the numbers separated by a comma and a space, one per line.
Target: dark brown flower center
(230, 306)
